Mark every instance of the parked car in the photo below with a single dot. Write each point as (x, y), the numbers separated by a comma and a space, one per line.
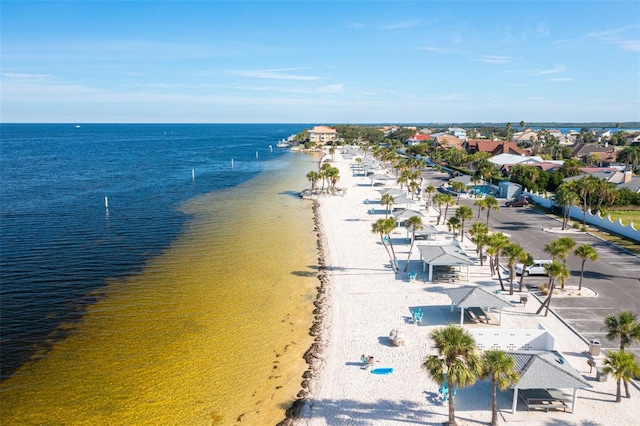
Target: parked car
(536, 268)
(520, 202)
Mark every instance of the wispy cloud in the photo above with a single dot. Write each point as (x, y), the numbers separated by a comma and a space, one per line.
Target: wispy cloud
(25, 76)
(276, 74)
(492, 59)
(556, 70)
(400, 25)
(438, 49)
(611, 37)
(561, 79)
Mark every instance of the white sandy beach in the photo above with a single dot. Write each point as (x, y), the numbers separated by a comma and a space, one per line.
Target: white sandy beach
(366, 300)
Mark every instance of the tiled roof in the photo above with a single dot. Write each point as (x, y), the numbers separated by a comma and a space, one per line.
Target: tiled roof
(323, 129)
(494, 147)
(546, 370)
(473, 296)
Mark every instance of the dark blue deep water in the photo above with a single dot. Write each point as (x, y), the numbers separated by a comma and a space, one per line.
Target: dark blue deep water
(58, 242)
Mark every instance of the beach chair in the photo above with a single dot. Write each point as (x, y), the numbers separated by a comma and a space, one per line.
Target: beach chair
(412, 276)
(417, 316)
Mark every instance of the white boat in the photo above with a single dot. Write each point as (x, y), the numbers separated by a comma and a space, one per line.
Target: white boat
(286, 143)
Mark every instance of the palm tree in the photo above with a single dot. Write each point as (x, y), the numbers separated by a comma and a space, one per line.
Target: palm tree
(623, 366)
(490, 204)
(447, 200)
(457, 362)
(624, 326)
(324, 170)
(559, 249)
(414, 223)
(429, 190)
(439, 199)
(383, 227)
(482, 204)
(556, 271)
(496, 243)
(629, 155)
(585, 252)
(387, 200)
(313, 177)
(513, 251)
(463, 213)
(565, 197)
(333, 176)
(454, 224)
(501, 368)
(526, 259)
(479, 237)
(458, 187)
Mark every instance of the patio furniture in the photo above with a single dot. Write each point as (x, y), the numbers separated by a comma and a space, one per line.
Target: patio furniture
(543, 399)
(417, 316)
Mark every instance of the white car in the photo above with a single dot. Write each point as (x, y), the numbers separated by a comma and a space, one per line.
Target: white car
(537, 268)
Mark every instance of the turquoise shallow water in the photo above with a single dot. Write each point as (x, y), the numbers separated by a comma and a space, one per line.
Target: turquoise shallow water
(207, 328)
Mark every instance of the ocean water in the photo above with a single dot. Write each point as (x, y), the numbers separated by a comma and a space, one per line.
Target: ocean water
(187, 301)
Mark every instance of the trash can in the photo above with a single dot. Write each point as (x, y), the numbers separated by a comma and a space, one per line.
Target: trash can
(600, 375)
(594, 347)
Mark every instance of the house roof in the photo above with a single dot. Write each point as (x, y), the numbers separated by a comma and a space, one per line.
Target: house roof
(472, 296)
(420, 137)
(448, 141)
(444, 255)
(546, 370)
(546, 166)
(494, 147)
(323, 129)
(633, 184)
(606, 174)
(582, 149)
(503, 159)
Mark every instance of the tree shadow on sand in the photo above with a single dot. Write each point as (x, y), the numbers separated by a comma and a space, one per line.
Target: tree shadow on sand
(358, 413)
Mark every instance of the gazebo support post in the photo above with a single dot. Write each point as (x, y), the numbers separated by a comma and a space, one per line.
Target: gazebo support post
(500, 321)
(467, 272)
(514, 404)
(574, 401)
(430, 272)
(461, 315)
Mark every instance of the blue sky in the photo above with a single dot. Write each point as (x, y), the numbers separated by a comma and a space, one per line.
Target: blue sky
(320, 61)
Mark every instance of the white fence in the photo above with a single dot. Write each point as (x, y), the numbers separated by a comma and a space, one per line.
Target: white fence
(593, 219)
(514, 340)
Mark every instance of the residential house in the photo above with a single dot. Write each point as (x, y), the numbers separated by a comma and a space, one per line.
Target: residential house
(445, 140)
(493, 147)
(458, 132)
(418, 138)
(527, 137)
(608, 174)
(602, 135)
(322, 135)
(606, 154)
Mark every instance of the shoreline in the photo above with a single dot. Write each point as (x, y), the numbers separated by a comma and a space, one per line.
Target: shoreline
(311, 356)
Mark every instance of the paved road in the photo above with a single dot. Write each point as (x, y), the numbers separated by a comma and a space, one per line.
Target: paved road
(615, 276)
